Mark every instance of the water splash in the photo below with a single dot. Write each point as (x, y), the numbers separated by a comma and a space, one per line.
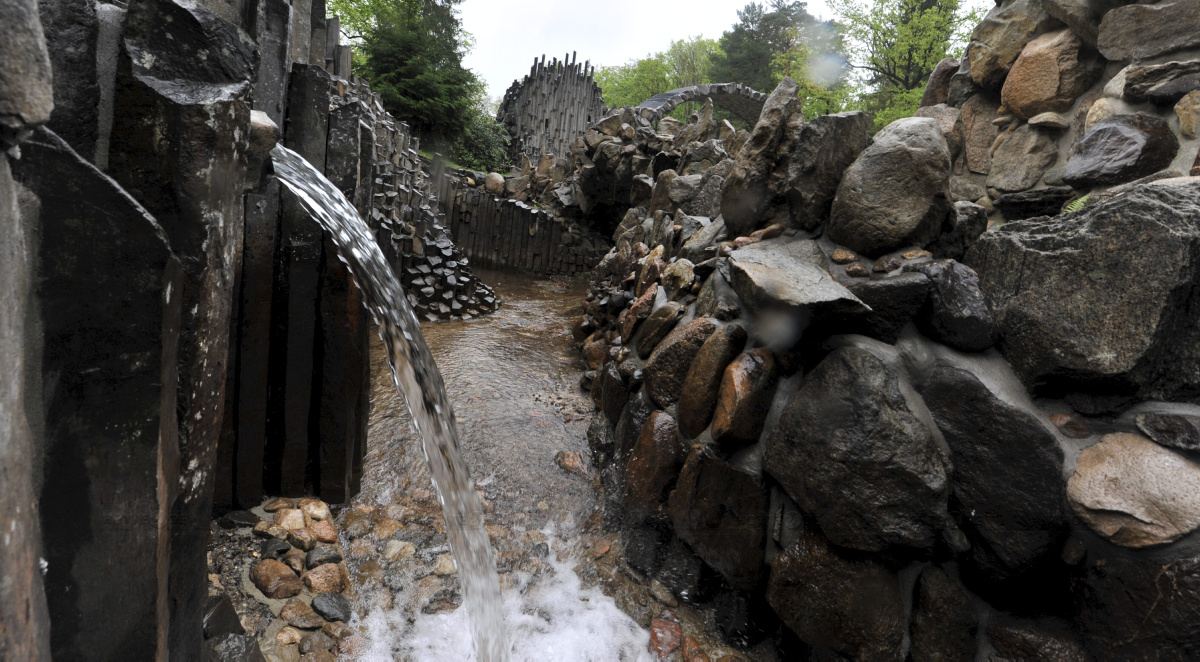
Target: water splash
(417, 377)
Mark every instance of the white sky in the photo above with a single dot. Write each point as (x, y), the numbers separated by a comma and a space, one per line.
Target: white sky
(510, 34)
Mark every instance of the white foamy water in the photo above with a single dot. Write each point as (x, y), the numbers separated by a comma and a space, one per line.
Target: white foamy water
(556, 618)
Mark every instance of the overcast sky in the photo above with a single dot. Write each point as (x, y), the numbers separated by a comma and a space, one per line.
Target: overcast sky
(510, 34)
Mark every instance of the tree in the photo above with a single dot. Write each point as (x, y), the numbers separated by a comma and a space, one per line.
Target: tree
(689, 60)
(483, 142)
(753, 45)
(896, 44)
(631, 83)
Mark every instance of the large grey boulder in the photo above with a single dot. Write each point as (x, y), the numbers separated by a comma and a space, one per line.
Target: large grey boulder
(746, 196)
(1021, 158)
(1007, 475)
(1134, 492)
(1082, 16)
(852, 455)
(1078, 308)
(1121, 149)
(957, 312)
(897, 192)
(1139, 31)
(785, 274)
(26, 95)
(821, 150)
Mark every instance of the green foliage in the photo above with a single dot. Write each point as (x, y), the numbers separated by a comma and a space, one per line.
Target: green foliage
(483, 143)
(1077, 204)
(895, 45)
(633, 82)
(768, 42)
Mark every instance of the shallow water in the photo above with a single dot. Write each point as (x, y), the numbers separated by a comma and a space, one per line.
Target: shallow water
(513, 377)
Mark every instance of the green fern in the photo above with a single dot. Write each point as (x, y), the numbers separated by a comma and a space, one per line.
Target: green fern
(1077, 204)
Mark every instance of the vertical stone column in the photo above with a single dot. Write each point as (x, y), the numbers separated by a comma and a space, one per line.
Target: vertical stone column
(316, 50)
(181, 122)
(111, 315)
(306, 133)
(26, 100)
(258, 280)
(301, 30)
(274, 59)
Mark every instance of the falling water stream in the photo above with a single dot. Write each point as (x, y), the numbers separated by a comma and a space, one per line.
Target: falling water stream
(417, 377)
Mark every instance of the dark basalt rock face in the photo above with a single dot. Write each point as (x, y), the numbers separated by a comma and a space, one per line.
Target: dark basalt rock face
(1007, 480)
(111, 323)
(1036, 202)
(944, 619)
(850, 453)
(720, 513)
(851, 606)
(1059, 286)
(956, 313)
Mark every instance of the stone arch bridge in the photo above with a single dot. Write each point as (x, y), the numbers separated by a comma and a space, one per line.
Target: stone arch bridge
(736, 98)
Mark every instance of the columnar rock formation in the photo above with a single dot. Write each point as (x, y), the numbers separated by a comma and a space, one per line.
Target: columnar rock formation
(899, 432)
(181, 336)
(547, 110)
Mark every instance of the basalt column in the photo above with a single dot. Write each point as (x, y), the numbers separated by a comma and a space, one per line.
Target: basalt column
(298, 290)
(26, 98)
(111, 316)
(180, 126)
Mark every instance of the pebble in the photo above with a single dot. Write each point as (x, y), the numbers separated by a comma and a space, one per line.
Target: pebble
(387, 527)
(663, 594)
(315, 508)
(399, 549)
(299, 615)
(337, 630)
(356, 523)
(601, 549)
(843, 256)
(857, 270)
(317, 641)
(887, 264)
(398, 512)
(274, 579)
(294, 559)
(326, 578)
(291, 519)
(273, 548)
(324, 531)
(289, 635)
(265, 529)
(1072, 425)
(665, 637)
(571, 462)
(444, 565)
(321, 556)
(692, 652)
(275, 505)
(361, 549)
(237, 519)
(302, 539)
(332, 607)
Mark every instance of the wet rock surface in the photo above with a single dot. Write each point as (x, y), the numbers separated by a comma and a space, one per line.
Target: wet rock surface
(850, 453)
(1120, 149)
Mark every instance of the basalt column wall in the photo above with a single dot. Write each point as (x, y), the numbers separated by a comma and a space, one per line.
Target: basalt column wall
(179, 335)
(551, 107)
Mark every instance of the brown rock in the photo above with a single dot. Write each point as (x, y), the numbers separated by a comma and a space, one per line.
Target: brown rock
(326, 578)
(274, 579)
(318, 643)
(337, 630)
(998, 40)
(703, 381)
(977, 115)
(300, 615)
(658, 324)
(1188, 111)
(745, 396)
(324, 531)
(937, 90)
(857, 270)
(1134, 492)
(1072, 425)
(386, 527)
(843, 256)
(571, 462)
(265, 529)
(692, 652)
(851, 606)
(949, 120)
(595, 349)
(653, 465)
(356, 523)
(315, 509)
(1048, 76)
(302, 538)
(275, 505)
(289, 635)
(638, 312)
(294, 559)
(665, 637)
(291, 519)
(668, 364)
